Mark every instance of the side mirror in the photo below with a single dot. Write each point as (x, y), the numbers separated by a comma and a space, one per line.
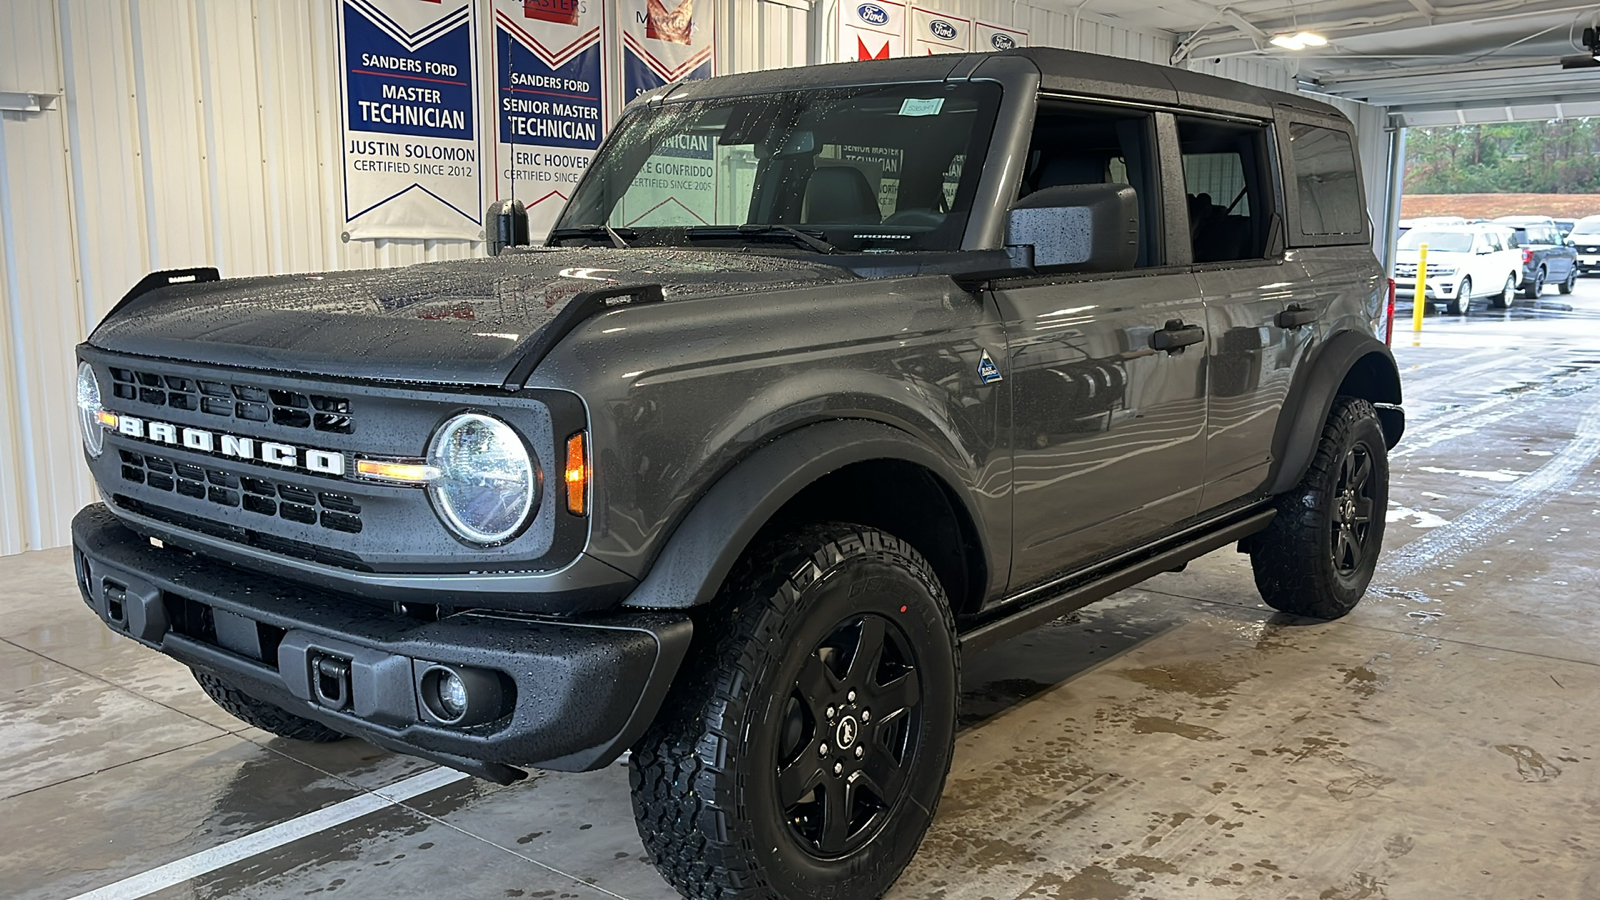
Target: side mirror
(1087, 227)
(505, 224)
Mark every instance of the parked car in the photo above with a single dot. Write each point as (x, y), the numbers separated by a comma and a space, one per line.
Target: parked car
(1585, 237)
(1465, 262)
(1546, 256)
(1565, 226)
(737, 487)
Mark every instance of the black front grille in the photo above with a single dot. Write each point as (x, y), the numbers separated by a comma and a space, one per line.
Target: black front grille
(272, 543)
(266, 497)
(290, 409)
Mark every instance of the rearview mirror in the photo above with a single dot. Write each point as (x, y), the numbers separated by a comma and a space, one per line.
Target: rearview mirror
(1087, 227)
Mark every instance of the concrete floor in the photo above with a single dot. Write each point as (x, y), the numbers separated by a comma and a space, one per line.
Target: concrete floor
(1176, 741)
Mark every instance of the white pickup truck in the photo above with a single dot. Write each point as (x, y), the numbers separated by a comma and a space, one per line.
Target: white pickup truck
(1464, 262)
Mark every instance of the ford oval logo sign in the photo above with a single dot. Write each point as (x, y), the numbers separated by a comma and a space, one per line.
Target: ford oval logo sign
(942, 30)
(873, 14)
(1002, 41)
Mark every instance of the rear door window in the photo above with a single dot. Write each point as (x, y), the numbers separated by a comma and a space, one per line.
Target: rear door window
(1225, 189)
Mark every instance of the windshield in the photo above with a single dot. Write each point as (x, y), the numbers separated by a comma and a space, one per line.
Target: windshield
(1437, 241)
(865, 169)
(1587, 226)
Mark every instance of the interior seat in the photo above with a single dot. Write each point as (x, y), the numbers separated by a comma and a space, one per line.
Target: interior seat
(838, 195)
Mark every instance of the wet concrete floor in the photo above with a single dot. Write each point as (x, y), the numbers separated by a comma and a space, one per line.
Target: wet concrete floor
(1179, 740)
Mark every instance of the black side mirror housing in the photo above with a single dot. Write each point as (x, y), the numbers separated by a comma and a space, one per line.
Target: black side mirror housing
(506, 225)
(1077, 227)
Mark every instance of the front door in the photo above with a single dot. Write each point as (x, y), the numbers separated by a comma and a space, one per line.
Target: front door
(1107, 370)
(1109, 433)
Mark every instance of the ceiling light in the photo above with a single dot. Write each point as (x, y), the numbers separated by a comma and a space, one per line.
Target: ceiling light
(1299, 41)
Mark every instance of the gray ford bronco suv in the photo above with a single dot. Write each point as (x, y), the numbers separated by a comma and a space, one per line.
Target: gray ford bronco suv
(825, 378)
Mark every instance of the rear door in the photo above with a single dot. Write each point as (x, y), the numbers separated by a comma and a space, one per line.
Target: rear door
(1261, 311)
(1109, 434)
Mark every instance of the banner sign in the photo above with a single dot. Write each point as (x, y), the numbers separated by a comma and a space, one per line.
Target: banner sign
(936, 32)
(661, 45)
(997, 37)
(871, 29)
(548, 101)
(409, 93)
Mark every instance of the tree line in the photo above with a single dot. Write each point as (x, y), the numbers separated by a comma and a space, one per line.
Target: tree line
(1555, 157)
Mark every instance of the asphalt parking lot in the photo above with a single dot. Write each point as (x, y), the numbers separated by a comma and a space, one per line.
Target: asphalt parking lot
(1179, 740)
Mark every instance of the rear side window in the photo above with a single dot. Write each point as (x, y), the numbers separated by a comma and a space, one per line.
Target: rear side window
(1325, 175)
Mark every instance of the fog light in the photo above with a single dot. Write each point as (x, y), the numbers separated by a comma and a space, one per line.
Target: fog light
(457, 695)
(452, 695)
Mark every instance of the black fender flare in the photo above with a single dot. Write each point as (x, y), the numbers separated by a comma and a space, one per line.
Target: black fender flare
(1311, 399)
(721, 525)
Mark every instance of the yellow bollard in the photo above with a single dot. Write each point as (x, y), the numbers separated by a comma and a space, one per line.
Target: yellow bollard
(1420, 298)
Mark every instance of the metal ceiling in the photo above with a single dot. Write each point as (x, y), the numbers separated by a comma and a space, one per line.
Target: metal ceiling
(1432, 62)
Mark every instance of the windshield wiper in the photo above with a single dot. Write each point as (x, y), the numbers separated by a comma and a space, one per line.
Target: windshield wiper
(618, 239)
(783, 232)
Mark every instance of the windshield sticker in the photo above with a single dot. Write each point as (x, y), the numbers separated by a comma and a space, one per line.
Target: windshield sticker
(914, 107)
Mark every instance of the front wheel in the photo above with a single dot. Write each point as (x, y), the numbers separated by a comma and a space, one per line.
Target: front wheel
(805, 745)
(262, 714)
(1462, 304)
(1571, 282)
(1318, 554)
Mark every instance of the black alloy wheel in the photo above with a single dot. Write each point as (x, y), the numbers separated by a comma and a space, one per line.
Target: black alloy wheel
(1535, 285)
(1317, 555)
(1572, 281)
(805, 743)
(851, 732)
(1353, 508)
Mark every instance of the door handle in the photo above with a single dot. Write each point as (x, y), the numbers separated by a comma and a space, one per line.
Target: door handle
(1176, 336)
(1295, 317)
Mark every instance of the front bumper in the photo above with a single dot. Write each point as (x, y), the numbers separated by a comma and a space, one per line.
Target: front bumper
(572, 694)
(1436, 289)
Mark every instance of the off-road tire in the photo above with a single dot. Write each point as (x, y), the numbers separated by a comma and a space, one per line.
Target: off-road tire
(705, 777)
(1566, 287)
(1462, 304)
(1534, 289)
(264, 715)
(1294, 557)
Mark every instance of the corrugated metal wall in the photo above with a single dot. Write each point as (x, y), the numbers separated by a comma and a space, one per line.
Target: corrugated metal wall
(203, 132)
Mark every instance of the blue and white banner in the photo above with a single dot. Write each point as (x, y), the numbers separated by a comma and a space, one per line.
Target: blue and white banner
(549, 101)
(998, 37)
(939, 32)
(662, 43)
(409, 94)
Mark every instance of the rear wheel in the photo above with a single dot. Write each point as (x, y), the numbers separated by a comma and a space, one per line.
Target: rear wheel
(1535, 285)
(1462, 304)
(1571, 282)
(1318, 554)
(264, 715)
(804, 748)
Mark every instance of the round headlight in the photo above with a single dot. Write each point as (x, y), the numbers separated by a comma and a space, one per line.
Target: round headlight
(486, 486)
(94, 434)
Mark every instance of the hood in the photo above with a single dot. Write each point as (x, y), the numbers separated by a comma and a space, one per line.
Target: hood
(1410, 256)
(459, 322)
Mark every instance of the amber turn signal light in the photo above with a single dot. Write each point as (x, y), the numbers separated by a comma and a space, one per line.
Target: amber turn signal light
(577, 477)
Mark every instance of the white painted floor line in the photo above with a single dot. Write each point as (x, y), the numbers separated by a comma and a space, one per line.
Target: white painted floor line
(240, 849)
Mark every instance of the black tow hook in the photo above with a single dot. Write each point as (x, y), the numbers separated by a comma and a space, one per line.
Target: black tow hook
(330, 679)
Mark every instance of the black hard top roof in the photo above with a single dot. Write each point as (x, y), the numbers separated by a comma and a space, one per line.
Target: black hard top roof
(1060, 71)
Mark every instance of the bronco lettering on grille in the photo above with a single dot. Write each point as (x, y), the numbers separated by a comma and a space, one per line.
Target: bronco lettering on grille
(324, 462)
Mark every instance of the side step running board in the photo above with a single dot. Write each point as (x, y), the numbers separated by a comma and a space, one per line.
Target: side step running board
(1030, 617)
